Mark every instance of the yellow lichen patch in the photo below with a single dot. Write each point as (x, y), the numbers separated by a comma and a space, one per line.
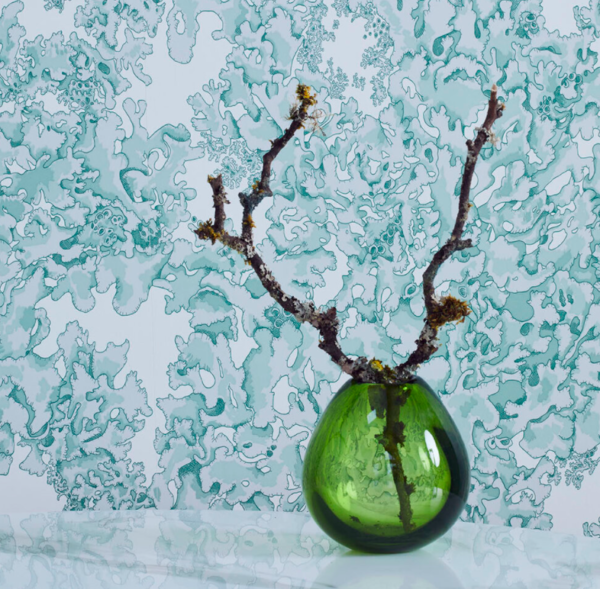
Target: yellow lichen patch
(388, 372)
(210, 178)
(255, 184)
(248, 221)
(304, 96)
(377, 365)
(206, 231)
(449, 309)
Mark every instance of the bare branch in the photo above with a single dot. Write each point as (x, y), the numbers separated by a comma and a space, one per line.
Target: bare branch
(438, 312)
(325, 321)
(298, 115)
(449, 308)
(219, 201)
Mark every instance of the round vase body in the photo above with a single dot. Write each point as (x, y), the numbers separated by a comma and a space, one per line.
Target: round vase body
(386, 469)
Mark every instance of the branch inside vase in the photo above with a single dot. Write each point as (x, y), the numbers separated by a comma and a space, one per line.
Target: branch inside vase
(393, 438)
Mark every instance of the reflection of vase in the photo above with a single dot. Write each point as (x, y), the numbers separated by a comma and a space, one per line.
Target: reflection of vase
(386, 469)
(353, 570)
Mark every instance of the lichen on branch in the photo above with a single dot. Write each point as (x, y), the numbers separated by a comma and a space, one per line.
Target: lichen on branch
(447, 310)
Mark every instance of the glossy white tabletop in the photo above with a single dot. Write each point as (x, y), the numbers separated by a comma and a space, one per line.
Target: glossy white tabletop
(238, 550)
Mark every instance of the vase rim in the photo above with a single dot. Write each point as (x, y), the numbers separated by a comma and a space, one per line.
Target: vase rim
(413, 379)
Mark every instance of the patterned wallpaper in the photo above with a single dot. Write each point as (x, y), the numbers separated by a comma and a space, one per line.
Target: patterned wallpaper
(140, 368)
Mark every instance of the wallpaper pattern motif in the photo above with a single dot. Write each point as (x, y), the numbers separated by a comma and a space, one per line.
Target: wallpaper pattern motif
(103, 180)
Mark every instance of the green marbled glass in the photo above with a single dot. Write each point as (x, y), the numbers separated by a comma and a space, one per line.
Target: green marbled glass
(386, 469)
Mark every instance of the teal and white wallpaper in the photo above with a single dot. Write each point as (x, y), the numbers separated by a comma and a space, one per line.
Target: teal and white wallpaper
(141, 368)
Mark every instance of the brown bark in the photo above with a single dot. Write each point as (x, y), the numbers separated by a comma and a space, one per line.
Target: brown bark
(449, 308)
(325, 321)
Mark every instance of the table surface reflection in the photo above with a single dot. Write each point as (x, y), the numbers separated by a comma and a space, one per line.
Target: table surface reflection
(237, 550)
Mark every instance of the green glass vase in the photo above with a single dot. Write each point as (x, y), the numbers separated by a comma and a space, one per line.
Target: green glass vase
(386, 469)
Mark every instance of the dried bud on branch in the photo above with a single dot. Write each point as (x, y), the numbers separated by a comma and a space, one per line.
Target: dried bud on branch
(448, 309)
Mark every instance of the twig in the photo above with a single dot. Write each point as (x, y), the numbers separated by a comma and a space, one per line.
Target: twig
(449, 308)
(325, 321)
